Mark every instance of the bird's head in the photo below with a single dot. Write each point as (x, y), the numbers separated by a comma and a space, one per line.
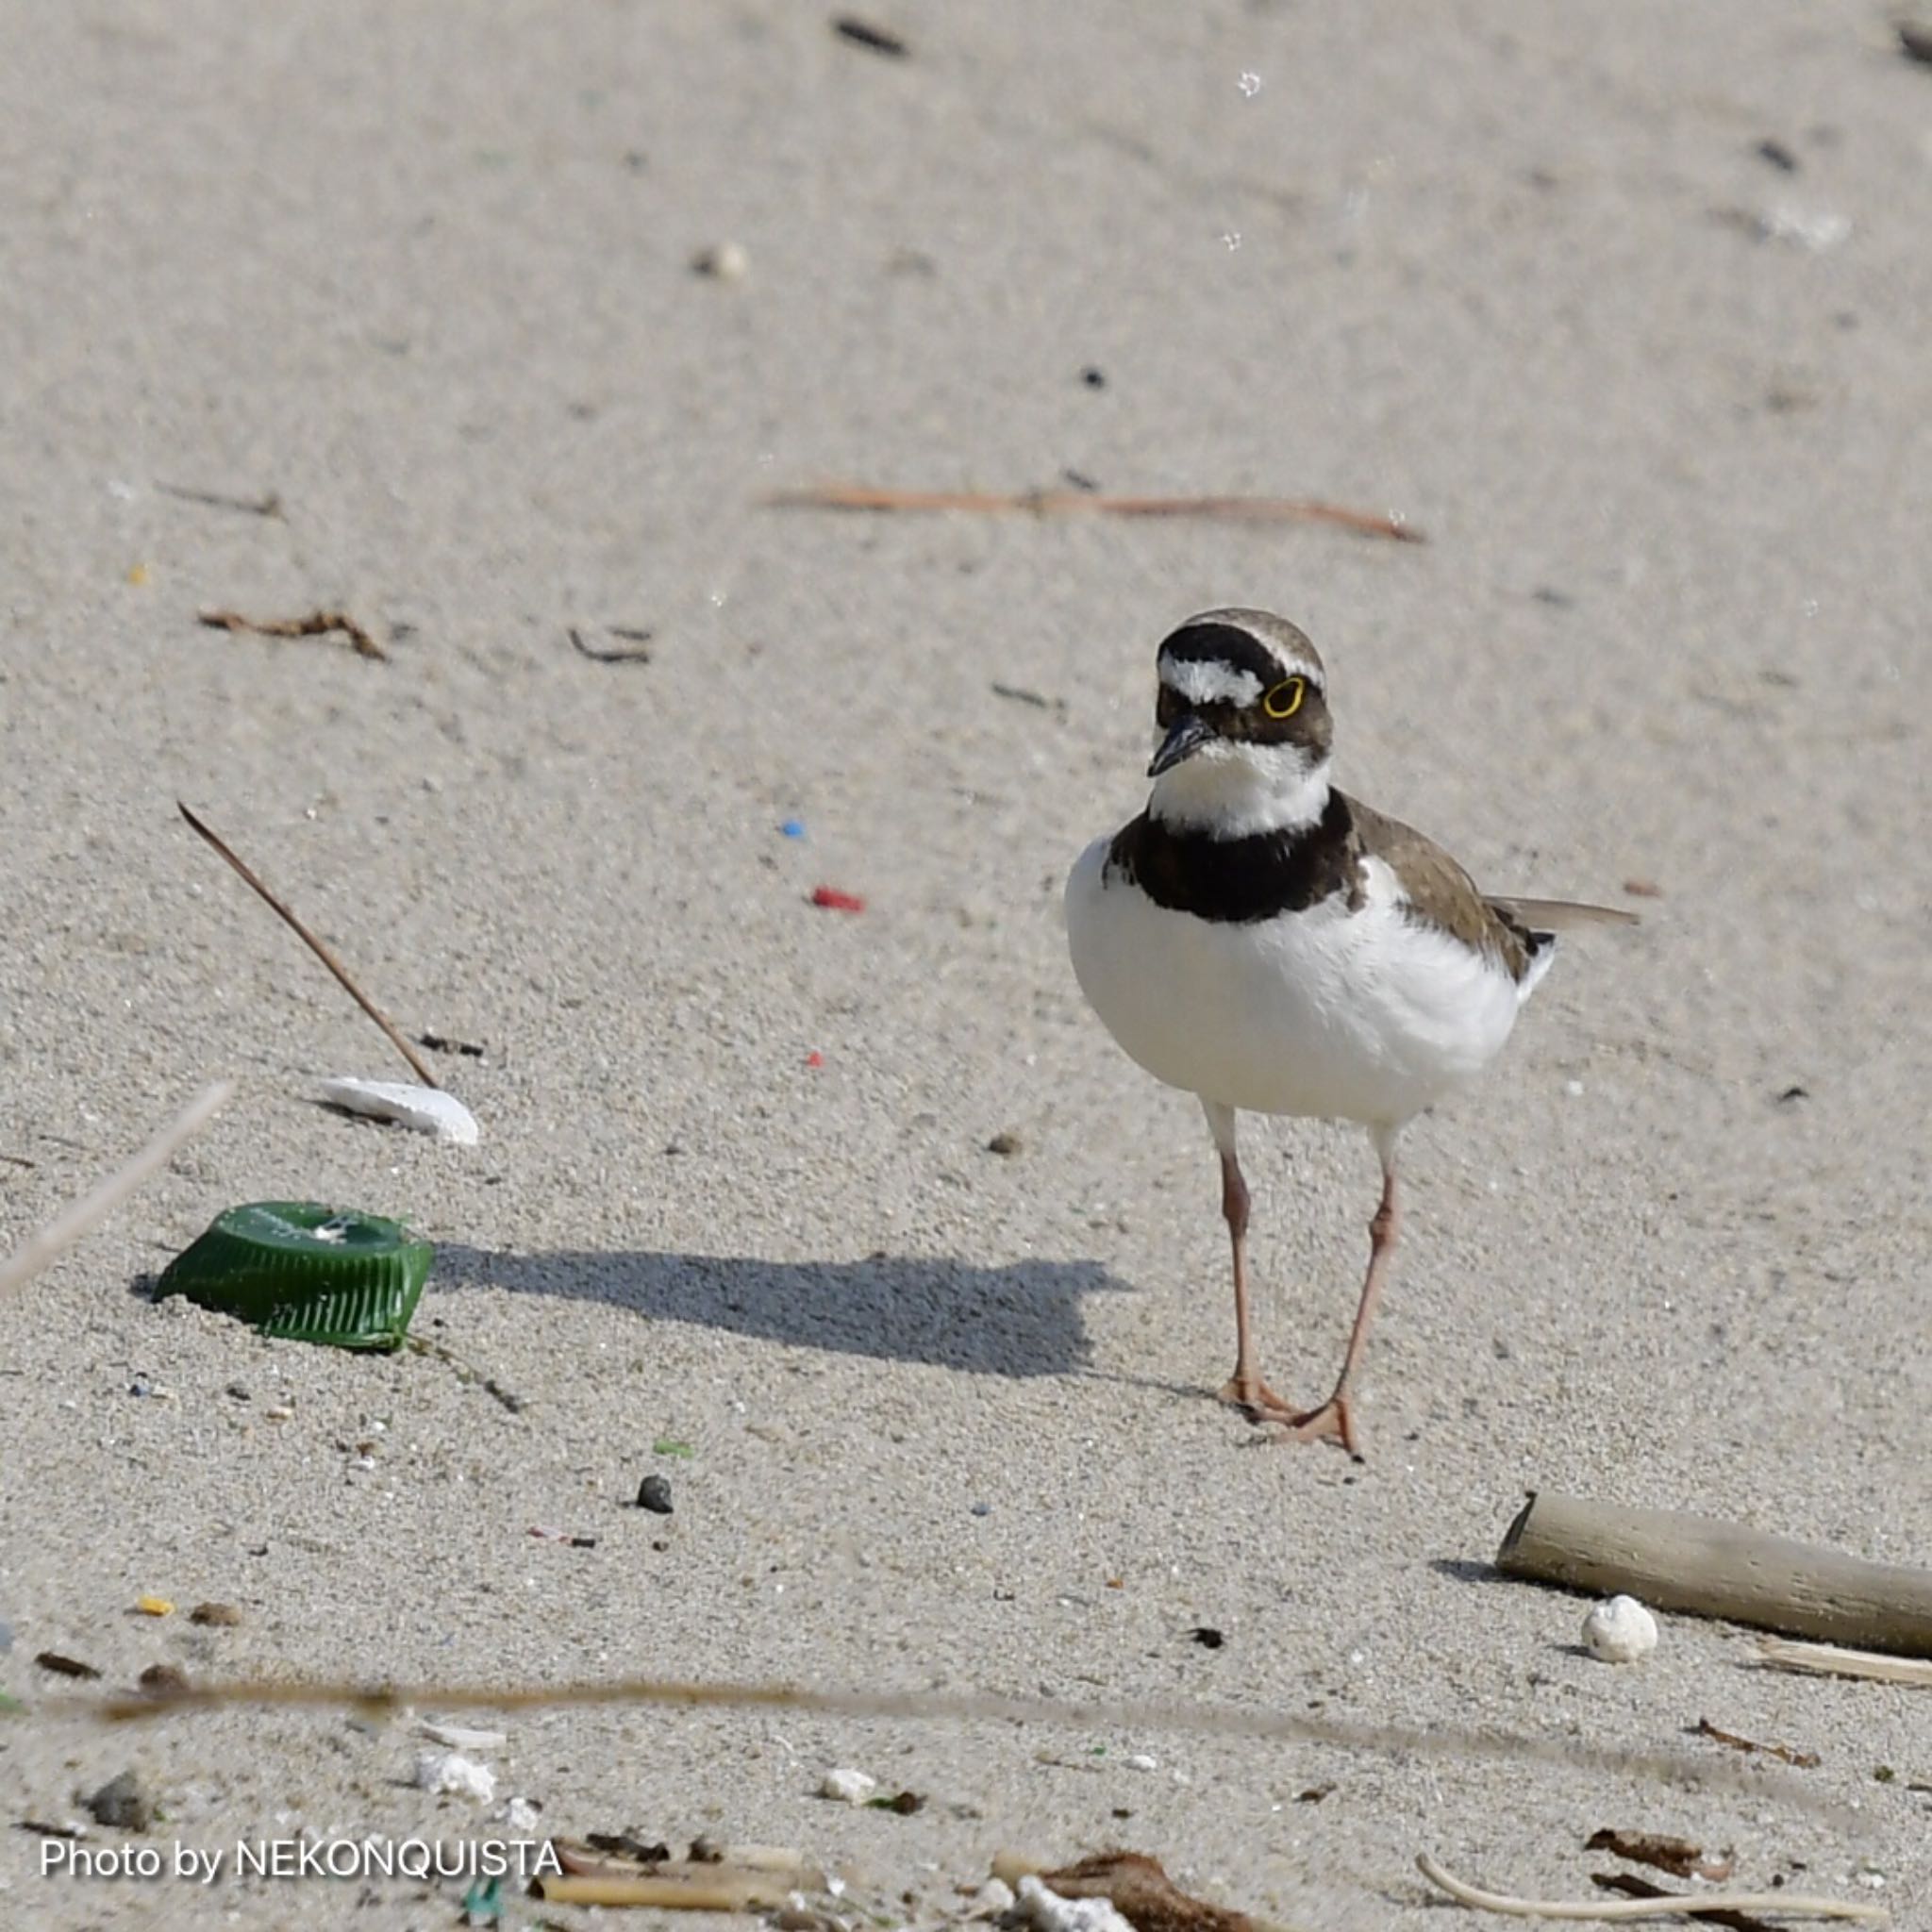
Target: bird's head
(1241, 726)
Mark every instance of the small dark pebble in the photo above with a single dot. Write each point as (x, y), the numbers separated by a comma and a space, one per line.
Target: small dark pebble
(705, 1851)
(1004, 1143)
(654, 1494)
(1092, 378)
(861, 33)
(1121, 1811)
(982, 1508)
(1778, 155)
(1207, 1637)
(904, 1803)
(163, 1680)
(1556, 599)
(658, 1544)
(64, 1666)
(1915, 40)
(1313, 1796)
(583, 1542)
(122, 1804)
(223, 1616)
(1079, 479)
(1794, 1093)
(240, 1392)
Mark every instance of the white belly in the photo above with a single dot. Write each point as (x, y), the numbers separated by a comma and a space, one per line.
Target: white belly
(1362, 1015)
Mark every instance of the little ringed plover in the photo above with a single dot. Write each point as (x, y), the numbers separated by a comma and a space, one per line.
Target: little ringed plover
(1266, 942)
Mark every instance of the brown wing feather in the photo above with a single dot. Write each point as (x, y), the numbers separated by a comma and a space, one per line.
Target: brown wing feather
(1440, 894)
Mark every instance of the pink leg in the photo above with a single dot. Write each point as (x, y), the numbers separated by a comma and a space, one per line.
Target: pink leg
(1335, 1420)
(1244, 1389)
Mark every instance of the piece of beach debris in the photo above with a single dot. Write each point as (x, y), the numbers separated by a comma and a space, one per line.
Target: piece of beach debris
(1785, 1754)
(904, 1802)
(741, 1878)
(1830, 1660)
(1133, 1884)
(832, 900)
(42, 1248)
(1207, 1637)
(636, 649)
(450, 1774)
(1643, 888)
(302, 1271)
(1006, 1143)
(847, 1787)
(1679, 1856)
(1019, 694)
(461, 1737)
(726, 262)
(318, 624)
(439, 1042)
(215, 1616)
(121, 1803)
(1673, 1560)
(254, 884)
(1698, 1904)
(1240, 509)
(64, 1666)
(1619, 1630)
(1630, 1886)
(269, 504)
(163, 1680)
(654, 1494)
(153, 1606)
(424, 1110)
(875, 40)
(1780, 155)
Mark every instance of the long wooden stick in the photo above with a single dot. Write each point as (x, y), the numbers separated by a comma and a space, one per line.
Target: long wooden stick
(1239, 509)
(1828, 1660)
(1677, 1561)
(39, 1249)
(314, 945)
(1794, 1905)
(1221, 1720)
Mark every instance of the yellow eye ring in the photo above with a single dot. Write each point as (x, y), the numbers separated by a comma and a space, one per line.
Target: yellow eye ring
(1285, 700)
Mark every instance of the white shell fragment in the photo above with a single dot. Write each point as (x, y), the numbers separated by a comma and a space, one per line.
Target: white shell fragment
(847, 1787)
(1620, 1631)
(448, 1773)
(428, 1109)
(1047, 1911)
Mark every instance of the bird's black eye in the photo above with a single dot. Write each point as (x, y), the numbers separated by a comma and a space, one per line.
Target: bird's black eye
(1285, 699)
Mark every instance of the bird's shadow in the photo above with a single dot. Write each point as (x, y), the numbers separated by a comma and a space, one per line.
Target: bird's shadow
(1020, 1319)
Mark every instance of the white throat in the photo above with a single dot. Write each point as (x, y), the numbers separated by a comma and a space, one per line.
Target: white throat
(1233, 790)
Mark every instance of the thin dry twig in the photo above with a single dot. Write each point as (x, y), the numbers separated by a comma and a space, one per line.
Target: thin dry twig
(1633, 1887)
(1785, 1754)
(636, 651)
(318, 624)
(268, 504)
(1793, 1905)
(315, 946)
(1829, 1661)
(960, 1707)
(39, 1249)
(1238, 509)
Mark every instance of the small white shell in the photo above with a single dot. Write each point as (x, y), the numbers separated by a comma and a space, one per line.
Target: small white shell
(428, 1109)
(460, 1737)
(848, 1786)
(449, 1775)
(1620, 1631)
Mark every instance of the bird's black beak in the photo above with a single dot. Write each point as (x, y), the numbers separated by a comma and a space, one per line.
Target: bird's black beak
(1189, 733)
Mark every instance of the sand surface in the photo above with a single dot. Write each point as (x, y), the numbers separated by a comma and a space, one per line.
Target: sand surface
(1518, 274)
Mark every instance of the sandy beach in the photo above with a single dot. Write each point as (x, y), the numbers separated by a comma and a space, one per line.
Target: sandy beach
(399, 312)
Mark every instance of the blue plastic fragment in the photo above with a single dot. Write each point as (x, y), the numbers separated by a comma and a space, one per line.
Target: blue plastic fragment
(793, 828)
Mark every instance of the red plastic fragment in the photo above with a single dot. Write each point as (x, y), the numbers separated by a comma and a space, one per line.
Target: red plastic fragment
(814, 1058)
(835, 901)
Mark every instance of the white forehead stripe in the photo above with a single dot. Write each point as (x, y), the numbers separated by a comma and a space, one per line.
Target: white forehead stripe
(1203, 681)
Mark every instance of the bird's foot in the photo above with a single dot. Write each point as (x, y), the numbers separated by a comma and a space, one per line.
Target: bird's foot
(1255, 1400)
(1334, 1422)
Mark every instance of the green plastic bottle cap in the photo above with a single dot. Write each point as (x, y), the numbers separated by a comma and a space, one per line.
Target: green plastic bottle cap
(298, 1270)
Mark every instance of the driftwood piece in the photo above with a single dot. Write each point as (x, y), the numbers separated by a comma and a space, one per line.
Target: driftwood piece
(1702, 1905)
(1677, 1561)
(1828, 1660)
